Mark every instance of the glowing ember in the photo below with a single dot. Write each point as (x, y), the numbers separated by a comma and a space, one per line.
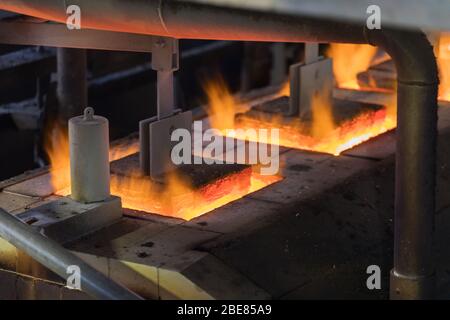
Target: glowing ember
(336, 140)
(322, 134)
(348, 61)
(175, 198)
(179, 199)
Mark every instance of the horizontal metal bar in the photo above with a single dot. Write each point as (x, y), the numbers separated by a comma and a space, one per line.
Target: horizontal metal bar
(58, 259)
(25, 57)
(430, 14)
(25, 107)
(58, 35)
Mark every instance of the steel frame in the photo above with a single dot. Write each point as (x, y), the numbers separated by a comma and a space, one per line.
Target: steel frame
(41, 33)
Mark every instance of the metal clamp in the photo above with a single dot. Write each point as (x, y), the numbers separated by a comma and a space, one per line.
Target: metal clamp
(154, 133)
(165, 60)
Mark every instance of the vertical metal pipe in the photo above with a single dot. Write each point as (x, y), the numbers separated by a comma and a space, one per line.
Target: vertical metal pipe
(165, 94)
(417, 80)
(72, 82)
(413, 273)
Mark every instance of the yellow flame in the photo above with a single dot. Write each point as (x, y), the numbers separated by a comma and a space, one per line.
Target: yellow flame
(322, 135)
(285, 89)
(444, 66)
(322, 117)
(348, 61)
(57, 148)
(222, 112)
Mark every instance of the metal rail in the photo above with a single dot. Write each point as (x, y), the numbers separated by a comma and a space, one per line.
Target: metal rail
(57, 259)
(430, 14)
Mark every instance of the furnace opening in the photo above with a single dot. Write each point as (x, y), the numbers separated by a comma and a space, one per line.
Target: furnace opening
(186, 193)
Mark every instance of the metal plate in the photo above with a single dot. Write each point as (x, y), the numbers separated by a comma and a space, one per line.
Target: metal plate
(307, 81)
(144, 144)
(160, 143)
(65, 220)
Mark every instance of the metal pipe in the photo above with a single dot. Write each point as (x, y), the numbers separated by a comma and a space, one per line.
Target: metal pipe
(412, 276)
(417, 80)
(57, 259)
(183, 20)
(72, 82)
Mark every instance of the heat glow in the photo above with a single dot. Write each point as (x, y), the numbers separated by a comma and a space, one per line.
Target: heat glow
(348, 61)
(176, 198)
(444, 66)
(321, 135)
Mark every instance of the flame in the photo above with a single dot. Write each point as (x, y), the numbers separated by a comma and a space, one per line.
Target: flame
(348, 61)
(444, 66)
(56, 143)
(222, 112)
(123, 149)
(322, 135)
(176, 197)
(285, 89)
(333, 141)
(322, 118)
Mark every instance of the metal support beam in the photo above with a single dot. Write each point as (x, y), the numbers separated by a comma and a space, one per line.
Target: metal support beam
(72, 82)
(417, 87)
(413, 275)
(278, 71)
(165, 60)
(57, 35)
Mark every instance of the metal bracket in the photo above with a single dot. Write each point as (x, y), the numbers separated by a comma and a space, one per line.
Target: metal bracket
(309, 79)
(155, 133)
(165, 60)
